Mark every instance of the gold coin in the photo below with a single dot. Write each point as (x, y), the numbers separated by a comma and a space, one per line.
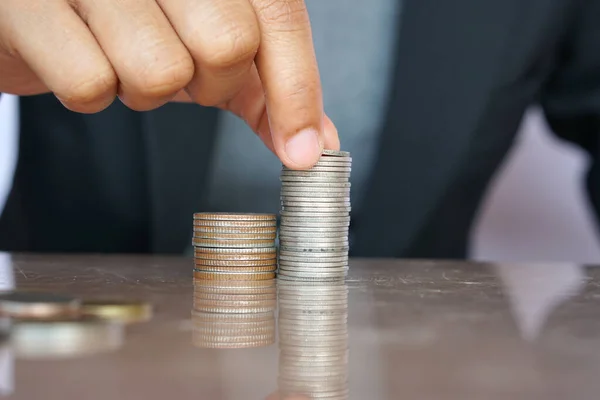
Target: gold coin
(246, 243)
(220, 216)
(232, 276)
(236, 263)
(126, 312)
(235, 236)
(242, 229)
(238, 256)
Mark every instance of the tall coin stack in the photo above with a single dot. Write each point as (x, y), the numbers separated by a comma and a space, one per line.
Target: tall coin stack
(313, 340)
(234, 247)
(234, 314)
(315, 217)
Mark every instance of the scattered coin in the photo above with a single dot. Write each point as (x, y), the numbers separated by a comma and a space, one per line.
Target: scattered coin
(65, 338)
(121, 311)
(29, 305)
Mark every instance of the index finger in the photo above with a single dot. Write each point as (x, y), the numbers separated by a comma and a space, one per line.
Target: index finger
(289, 74)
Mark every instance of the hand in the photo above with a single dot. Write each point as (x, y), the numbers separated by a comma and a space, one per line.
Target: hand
(254, 58)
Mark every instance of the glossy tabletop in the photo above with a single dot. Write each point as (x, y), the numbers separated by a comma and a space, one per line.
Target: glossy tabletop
(414, 330)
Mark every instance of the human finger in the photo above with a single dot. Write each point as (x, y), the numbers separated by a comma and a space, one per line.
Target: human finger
(289, 73)
(222, 36)
(59, 48)
(149, 58)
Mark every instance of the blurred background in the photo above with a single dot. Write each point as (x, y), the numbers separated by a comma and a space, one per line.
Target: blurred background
(535, 210)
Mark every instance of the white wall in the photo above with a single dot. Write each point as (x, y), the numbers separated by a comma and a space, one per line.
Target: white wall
(536, 209)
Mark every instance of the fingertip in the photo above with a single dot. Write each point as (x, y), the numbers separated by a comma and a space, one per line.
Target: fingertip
(332, 139)
(303, 150)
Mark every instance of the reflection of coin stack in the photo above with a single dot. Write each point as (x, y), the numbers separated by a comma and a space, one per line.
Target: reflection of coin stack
(315, 217)
(234, 314)
(234, 247)
(313, 340)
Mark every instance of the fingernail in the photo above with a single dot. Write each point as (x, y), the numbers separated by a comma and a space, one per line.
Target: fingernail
(304, 148)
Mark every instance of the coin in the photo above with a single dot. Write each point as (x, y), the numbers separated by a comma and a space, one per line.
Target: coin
(214, 268)
(234, 224)
(326, 168)
(198, 255)
(29, 304)
(334, 175)
(230, 243)
(314, 204)
(236, 263)
(199, 316)
(232, 276)
(235, 236)
(230, 230)
(315, 217)
(284, 264)
(335, 210)
(65, 337)
(122, 311)
(335, 153)
(220, 216)
(311, 200)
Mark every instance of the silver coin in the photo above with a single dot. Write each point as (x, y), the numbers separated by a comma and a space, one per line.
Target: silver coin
(334, 160)
(314, 224)
(308, 230)
(286, 264)
(335, 153)
(313, 256)
(316, 232)
(310, 279)
(317, 174)
(329, 184)
(325, 168)
(314, 249)
(311, 241)
(315, 194)
(313, 216)
(308, 217)
(284, 234)
(314, 209)
(315, 204)
(311, 179)
(304, 200)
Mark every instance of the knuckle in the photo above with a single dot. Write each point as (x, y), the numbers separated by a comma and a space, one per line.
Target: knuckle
(283, 12)
(162, 80)
(89, 89)
(232, 47)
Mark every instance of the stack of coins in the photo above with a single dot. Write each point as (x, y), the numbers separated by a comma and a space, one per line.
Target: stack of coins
(313, 340)
(234, 314)
(234, 247)
(315, 217)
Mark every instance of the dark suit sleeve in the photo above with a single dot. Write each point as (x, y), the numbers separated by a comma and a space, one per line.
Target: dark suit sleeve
(571, 97)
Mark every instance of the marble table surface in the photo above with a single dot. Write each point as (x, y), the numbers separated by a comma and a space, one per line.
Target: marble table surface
(416, 330)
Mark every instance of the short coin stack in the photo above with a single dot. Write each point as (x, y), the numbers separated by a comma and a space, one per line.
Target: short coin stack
(313, 340)
(234, 314)
(315, 217)
(234, 246)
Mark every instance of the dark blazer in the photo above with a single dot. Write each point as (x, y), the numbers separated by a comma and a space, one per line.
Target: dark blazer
(466, 70)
